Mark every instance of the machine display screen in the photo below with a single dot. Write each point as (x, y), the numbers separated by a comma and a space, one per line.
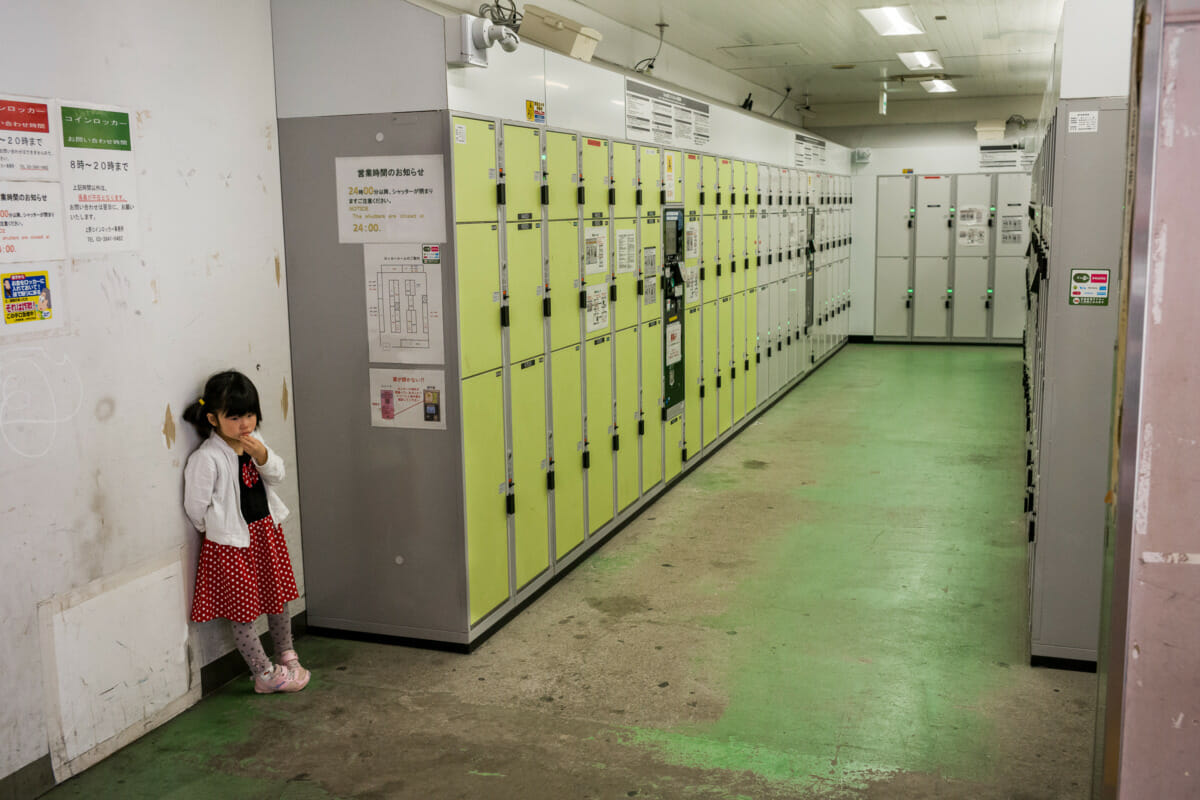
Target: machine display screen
(672, 234)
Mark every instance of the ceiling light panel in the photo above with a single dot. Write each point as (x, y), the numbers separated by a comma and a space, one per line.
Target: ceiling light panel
(919, 60)
(938, 86)
(893, 20)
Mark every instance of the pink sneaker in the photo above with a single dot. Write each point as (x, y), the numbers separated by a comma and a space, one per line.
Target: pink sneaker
(289, 659)
(281, 679)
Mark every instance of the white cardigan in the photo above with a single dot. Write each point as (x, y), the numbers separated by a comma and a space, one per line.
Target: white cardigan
(211, 497)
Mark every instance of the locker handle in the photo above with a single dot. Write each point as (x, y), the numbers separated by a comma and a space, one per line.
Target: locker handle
(580, 195)
(910, 223)
(500, 193)
(612, 195)
(733, 373)
(587, 459)
(789, 199)
(789, 340)
(908, 302)
(1032, 529)
(732, 199)
(583, 298)
(987, 303)
(717, 199)
(718, 269)
(732, 267)
(757, 359)
(503, 316)
(545, 306)
(702, 197)
(616, 442)
(702, 273)
(746, 366)
(641, 427)
(662, 196)
(779, 346)
(769, 351)
(718, 381)
(947, 302)
(640, 287)
(769, 257)
(510, 504)
(638, 196)
(950, 223)
(746, 265)
(758, 261)
(545, 194)
(702, 391)
(683, 453)
(550, 481)
(664, 413)
(612, 292)
(746, 199)
(770, 199)
(990, 221)
(758, 199)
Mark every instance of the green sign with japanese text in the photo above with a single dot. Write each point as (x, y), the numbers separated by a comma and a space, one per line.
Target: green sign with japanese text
(95, 129)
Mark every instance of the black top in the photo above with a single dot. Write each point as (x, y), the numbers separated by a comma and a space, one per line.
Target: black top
(252, 490)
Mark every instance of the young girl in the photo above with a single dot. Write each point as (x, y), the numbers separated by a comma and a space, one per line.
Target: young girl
(244, 570)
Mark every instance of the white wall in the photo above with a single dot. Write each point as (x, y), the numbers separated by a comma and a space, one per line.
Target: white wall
(1096, 44)
(925, 149)
(205, 291)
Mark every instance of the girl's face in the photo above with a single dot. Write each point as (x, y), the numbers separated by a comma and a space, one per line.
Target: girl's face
(235, 427)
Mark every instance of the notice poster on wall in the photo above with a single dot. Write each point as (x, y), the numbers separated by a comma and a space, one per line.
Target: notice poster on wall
(390, 199)
(650, 276)
(28, 139)
(408, 398)
(29, 298)
(31, 223)
(663, 117)
(691, 239)
(404, 303)
(99, 179)
(674, 343)
(809, 151)
(595, 250)
(626, 252)
(691, 285)
(596, 313)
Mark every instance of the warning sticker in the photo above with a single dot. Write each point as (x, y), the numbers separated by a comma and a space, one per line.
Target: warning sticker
(1089, 287)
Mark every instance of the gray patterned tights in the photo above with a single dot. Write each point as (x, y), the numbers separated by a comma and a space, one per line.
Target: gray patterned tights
(251, 648)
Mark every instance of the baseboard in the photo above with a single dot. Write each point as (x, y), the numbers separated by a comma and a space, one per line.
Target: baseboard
(231, 666)
(860, 339)
(1068, 664)
(937, 342)
(31, 780)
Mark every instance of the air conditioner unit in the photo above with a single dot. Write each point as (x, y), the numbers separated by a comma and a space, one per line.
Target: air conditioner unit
(861, 155)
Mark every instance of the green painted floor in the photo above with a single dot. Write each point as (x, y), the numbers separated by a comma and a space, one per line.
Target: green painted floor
(832, 606)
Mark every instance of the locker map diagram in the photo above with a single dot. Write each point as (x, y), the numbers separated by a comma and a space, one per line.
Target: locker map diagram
(404, 304)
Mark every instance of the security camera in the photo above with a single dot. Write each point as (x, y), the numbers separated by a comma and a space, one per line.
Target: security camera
(485, 33)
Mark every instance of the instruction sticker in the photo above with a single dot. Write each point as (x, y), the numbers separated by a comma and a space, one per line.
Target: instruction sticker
(626, 251)
(597, 308)
(595, 250)
(535, 111)
(390, 199)
(1089, 287)
(691, 283)
(669, 176)
(28, 143)
(26, 297)
(408, 398)
(1083, 122)
(404, 303)
(691, 240)
(31, 223)
(674, 343)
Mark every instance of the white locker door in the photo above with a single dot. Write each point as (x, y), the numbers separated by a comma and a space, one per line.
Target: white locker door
(802, 348)
(973, 229)
(762, 368)
(893, 302)
(893, 231)
(1008, 299)
(930, 298)
(970, 300)
(777, 359)
(1012, 204)
(796, 230)
(933, 215)
(771, 258)
(794, 297)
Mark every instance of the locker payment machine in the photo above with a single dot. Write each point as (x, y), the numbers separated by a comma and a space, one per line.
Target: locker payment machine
(673, 377)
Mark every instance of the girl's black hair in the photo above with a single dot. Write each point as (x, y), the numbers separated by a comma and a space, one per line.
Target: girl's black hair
(229, 392)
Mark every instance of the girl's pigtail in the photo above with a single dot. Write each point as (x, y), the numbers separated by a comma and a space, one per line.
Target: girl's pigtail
(198, 416)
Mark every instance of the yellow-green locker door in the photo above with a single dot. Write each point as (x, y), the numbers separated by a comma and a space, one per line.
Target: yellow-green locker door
(624, 179)
(626, 396)
(474, 170)
(564, 283)
(530, 460)
(478, 257)
(650, 181)
(672, 175)
(598, 353)
(740, 265)
(484, 488)
(752, 349)
(752, 188)
(724, 361)
(752, 250)
(525, 290)
(523, 172)
(625, 272)
(739, 372)
(567, 398)
(711, 260)
(725, 263)
(693, 374)
(652, 395)
(594, 173)
(708, 184)
(711, 371)
(724, 183)
(692, 183)
(672, 452)
(561, 169)
(739, 185)
(691, 260)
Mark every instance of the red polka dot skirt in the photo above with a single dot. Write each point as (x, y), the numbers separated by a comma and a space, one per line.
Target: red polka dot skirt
(243, 583)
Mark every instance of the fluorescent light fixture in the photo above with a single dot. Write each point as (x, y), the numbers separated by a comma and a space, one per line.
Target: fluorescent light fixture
(557, 85)
(893, 20)
(938, 86)
(921, 59)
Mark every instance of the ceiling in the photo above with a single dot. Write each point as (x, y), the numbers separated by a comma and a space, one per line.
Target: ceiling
(989, 48)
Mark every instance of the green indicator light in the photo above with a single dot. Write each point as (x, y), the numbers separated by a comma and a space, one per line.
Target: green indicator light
(949, 291)
(912, 211)
(993, 207)
(951, 209)
(990, 291)
(910, 291)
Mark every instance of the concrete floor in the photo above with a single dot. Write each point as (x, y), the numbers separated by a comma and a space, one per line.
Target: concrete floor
(833, 606)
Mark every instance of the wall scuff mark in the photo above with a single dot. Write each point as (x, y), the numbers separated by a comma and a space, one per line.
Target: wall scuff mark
(169, 428)
(277, 270)
(283, 401)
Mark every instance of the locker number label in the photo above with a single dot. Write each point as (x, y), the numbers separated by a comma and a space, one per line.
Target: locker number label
(1089, 287)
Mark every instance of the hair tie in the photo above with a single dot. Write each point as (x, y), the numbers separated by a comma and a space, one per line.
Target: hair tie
(201, 401)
